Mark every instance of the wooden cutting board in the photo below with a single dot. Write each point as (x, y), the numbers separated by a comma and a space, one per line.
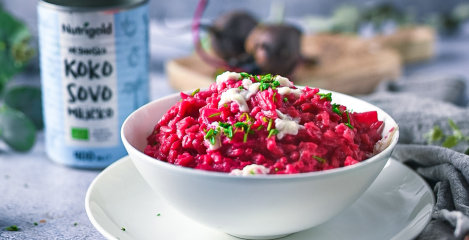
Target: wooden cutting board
(347, 64)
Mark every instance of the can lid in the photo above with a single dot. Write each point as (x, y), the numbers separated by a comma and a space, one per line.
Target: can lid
(93, 4)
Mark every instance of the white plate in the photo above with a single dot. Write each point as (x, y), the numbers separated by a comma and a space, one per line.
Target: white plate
(396, 206)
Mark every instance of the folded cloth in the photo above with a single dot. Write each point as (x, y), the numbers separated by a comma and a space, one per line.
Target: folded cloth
(418, 105)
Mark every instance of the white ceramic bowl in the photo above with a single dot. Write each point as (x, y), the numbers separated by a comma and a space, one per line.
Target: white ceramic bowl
(255, 207)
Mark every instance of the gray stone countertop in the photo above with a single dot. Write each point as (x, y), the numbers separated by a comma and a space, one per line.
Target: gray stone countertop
(35, 189)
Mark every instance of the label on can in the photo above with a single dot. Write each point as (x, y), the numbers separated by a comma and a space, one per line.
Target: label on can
(89, 79)
(94, 70)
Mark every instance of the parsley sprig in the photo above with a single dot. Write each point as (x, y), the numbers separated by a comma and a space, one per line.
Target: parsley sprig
(327, 96)
(348, 124)
(211, 135)
(319, 159)
(336, 109)
(12, 228)
(436, 135)
(195, 92)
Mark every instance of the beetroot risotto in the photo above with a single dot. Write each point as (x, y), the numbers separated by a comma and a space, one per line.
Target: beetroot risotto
(245, 124)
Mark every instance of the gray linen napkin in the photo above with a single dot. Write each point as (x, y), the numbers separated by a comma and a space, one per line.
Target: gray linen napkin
(419, 104)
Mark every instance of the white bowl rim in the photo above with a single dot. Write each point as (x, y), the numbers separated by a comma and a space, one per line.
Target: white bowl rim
(224, 175)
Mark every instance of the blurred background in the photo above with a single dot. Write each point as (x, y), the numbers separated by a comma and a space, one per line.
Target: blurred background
(171, 19)
(346, 46)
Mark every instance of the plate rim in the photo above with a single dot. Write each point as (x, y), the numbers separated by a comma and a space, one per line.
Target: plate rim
(126, 159)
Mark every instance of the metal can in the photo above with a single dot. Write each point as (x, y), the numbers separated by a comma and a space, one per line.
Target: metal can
(94, 60)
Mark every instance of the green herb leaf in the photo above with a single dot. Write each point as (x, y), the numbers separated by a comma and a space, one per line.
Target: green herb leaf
(266, 78)
(12, 228)
(327, 96)
(241, 87)
(159, 214)
(16, 130)
(436, 134)
(450, 142)
(456, 131)
(35, 223)
(272, 132)
(319, 159)
(214, 114)
(269, 126)
(123, 229)
(348, 119)
(241, 125)
(245, 75)
(210, 133)
(336, 109)
(195, 92)
(285, 99)
(212, 140)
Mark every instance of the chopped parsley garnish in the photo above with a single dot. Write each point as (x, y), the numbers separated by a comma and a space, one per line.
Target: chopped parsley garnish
(35, 224)
(195, 92)
(285, 99)
(12, 228)
(159, 214)
(266, 78)
(211, 134)
(269, 126)
(319, 159)
(246, 117)
(273, 97)
(259, 128)
(215, 114)
(348, 120)
(263, 86)
(272, 132)
(248, 130)
(123, 229)
(336, 109)
(241, 87)
(242, 125)
(327, 96)
(245, 75)
(252, 172)
(228, 131)
(267, 81)
(224, 125)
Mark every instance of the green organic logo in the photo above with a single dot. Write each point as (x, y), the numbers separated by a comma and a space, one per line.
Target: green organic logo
(80, 133)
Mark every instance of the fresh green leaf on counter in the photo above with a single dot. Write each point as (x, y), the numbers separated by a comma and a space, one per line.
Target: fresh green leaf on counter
(12, 228)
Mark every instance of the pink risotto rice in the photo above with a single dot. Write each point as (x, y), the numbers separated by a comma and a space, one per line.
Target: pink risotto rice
(262, 124)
